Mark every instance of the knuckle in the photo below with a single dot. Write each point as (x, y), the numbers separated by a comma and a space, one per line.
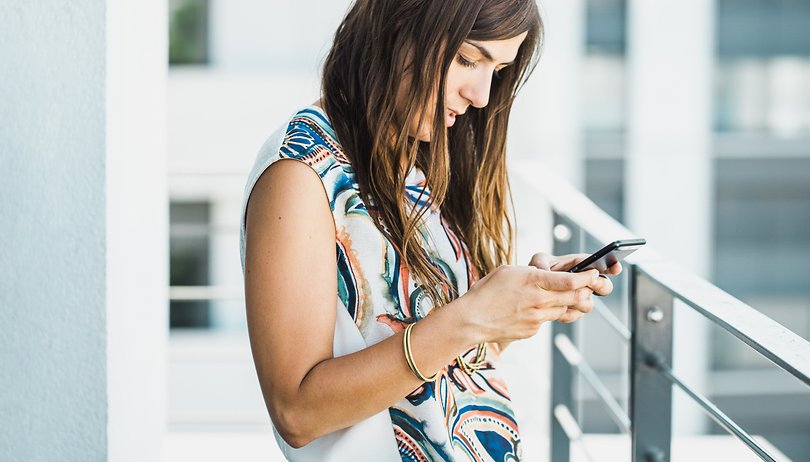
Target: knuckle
(569, 283)
(587, 294)
(535, 281)
(579, 296)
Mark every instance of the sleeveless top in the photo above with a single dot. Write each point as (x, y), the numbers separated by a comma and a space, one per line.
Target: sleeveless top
(459, 417)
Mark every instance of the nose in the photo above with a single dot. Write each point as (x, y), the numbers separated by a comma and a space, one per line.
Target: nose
(476, 90)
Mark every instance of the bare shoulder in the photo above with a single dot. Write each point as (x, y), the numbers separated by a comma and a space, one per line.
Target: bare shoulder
(287, 180)
(289, 223)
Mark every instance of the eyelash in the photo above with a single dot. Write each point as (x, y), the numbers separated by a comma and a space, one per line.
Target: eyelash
(465, 62)
(471, 65)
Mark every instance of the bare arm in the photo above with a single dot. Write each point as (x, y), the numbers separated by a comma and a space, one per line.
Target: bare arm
(291, 295)
(291, 291)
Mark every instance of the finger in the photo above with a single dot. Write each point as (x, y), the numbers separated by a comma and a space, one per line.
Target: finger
(584, 300)
(571, 316)
(603, 286)
(585, 304)
(563, 281)
(550, 314)
(569, 298)
(541, 261)
(614, 269)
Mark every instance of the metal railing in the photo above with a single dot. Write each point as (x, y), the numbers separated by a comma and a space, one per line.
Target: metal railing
(653, 285)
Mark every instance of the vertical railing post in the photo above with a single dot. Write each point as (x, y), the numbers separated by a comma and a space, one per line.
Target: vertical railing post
(566, 240)
(650, 392)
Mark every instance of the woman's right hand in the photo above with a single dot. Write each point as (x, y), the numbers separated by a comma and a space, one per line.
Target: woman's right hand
(512, 302)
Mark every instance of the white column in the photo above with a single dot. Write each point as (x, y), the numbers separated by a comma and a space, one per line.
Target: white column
(83, 223)
(546, 122)
(137, 218)
(668, 194)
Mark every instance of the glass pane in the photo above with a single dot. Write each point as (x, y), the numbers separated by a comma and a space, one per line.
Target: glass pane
(189, 262)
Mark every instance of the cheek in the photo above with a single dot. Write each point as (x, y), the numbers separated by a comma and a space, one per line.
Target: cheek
(454, 81)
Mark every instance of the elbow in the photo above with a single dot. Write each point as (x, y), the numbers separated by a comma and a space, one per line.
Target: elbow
(291, 426)
(294, 439)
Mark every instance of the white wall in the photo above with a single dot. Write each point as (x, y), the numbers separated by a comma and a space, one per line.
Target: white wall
(83, 226)
(137, 216)
(547, 120)
(52, 287)
(273, 34)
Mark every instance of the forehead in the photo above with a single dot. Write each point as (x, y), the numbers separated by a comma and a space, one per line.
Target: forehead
(498, 51)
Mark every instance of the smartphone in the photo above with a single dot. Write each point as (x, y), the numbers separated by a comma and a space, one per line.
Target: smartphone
(608, 255)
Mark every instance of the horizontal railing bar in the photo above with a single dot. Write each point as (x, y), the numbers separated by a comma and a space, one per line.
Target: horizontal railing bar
(201, 293)
(764, 335)
(602, 309)
(571, 427)
(571, 354)
(202, 229)
(772, 340)
(714, 412)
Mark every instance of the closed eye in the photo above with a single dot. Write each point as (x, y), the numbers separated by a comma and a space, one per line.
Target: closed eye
(465, 62)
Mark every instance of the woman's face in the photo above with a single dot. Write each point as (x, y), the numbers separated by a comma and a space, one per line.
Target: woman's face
(470, 77)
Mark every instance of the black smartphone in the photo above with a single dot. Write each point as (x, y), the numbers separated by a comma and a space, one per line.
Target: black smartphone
(608, 255)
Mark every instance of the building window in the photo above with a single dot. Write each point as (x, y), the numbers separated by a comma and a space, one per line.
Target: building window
(189, 247)
(188, 32)
(763, 66)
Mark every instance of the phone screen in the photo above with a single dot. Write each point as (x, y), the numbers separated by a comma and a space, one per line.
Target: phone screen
(609, 255)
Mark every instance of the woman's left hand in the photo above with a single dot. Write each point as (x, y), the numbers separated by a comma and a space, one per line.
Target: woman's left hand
(603, 286)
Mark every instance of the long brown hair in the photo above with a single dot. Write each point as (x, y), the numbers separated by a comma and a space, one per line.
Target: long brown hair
(378, 43)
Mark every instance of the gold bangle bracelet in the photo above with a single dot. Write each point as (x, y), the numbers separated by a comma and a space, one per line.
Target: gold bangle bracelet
(406, 345)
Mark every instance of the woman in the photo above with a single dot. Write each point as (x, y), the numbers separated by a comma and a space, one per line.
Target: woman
(377, 241)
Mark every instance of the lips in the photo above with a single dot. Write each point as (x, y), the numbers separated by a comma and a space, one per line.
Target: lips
(451, 116)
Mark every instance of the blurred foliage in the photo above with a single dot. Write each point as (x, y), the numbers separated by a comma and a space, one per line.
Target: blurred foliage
(188, 34)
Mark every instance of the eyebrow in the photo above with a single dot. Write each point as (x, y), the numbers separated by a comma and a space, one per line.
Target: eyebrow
(487, 55)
